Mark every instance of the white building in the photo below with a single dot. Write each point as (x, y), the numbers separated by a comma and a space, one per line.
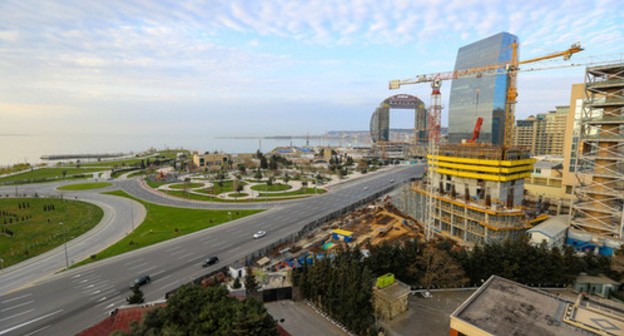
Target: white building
(553, 231)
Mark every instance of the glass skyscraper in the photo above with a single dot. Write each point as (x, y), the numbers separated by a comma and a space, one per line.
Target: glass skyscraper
(480, 97)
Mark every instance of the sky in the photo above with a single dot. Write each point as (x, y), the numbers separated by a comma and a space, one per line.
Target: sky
(236, 68)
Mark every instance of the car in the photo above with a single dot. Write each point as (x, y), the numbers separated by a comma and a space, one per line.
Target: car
(259, 234)
(140, 281)
(392, 181)
(365, 188)
(210, 261)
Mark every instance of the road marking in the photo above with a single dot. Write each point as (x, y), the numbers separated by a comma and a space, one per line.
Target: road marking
(186, 255)
(137, 266)
(17, 306)
(133, 262)
(168, 285)
(206, 239)
(146, 270)
(176, 253)
(16, 315)
(163, 278)
(173, 248)
(17, 298)
(38, 330)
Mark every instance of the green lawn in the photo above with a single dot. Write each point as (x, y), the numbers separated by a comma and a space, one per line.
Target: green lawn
(49, 174)
(14, 168)
(85, 186)
(207, 198)
(136, 173)
(239, 195)
(302, 191)
(40, 231)
(228, 186)
(132, 162)
(273, 187)
(164, 223)
(155, 184)
(186, 185)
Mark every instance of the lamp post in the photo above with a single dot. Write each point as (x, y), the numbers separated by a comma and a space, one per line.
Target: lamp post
(65, 244)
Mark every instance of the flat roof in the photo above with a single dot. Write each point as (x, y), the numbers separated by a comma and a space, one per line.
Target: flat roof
(394, 291)
(342, 232)
(504, 307)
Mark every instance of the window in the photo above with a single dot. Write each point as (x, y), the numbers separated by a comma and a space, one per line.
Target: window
(569, 190)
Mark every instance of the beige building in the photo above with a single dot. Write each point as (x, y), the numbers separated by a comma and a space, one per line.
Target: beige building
(211, 161)
(391, 301)
(542, 134)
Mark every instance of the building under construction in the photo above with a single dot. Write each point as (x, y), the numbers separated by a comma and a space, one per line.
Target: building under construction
(478, 192)
(598, 212)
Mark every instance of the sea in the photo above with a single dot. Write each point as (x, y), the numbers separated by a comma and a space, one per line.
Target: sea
(20, 148)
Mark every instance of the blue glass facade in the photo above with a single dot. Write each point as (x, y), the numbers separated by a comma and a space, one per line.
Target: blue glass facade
(480, 97)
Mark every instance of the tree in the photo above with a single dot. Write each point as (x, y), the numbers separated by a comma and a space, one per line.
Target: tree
(273, 162)
(236, 284)
(251, 285)
(195, 310)
(136, 297)
(259, 154)
(64, 172)
(258, 174)
(440, 269)
(263, 163)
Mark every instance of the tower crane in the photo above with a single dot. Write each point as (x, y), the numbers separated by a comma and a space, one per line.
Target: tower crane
(509, 68)
(434, 117)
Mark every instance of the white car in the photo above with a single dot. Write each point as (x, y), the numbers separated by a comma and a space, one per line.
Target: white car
(259, 234)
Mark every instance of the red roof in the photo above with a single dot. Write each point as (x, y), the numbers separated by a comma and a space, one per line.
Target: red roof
(120, 320)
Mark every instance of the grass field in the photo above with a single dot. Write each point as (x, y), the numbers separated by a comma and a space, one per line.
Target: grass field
(85, 186)
(185, 185)
(273, 187)
(14, 168)
(155, 184)
(136, 173)
(207, 198)
(164, 223)
(228, 186)
(48, 174)
(239, 195)
(36, 231)
(116, 163)
(302, 191)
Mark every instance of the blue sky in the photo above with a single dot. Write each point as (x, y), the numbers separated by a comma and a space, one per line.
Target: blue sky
(265, 67)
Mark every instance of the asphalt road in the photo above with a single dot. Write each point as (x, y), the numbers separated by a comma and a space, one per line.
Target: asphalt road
(73, 300)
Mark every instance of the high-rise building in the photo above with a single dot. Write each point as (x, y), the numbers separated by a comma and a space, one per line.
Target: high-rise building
(542, 134)
(571, 138)
(480, 97)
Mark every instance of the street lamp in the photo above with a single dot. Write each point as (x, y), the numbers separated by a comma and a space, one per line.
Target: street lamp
(65, 244)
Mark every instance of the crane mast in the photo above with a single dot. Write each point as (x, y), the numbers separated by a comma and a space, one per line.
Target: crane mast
(510, 69)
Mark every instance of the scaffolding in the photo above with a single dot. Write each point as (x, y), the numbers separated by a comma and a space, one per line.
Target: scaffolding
(600, 203)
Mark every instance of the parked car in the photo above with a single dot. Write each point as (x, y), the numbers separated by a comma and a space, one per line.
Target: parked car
(140, 281)
(259, 234)
(210, 261)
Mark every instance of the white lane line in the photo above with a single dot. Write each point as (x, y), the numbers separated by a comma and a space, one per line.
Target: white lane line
(169, 285)
(206, 239)
(38, 330)
(219, 245)
(17, 298)
(179, 252)
(16, 315)
(17, 306)
(5, 331)
(133, 262)
(173, 248)
(186, 255)
(137, 266)
(146, 270)
(163, 278)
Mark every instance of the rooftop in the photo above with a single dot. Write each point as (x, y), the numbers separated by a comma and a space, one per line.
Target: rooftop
(504, 307)
(552, 226)
(393, 291)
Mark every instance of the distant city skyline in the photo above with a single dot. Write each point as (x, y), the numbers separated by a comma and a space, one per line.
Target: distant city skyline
(232, 68)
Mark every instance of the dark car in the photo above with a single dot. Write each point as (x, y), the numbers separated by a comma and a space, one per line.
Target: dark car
(210, 261)
(140, 281)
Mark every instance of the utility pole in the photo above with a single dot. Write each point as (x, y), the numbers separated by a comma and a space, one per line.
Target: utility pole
(65, 244)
